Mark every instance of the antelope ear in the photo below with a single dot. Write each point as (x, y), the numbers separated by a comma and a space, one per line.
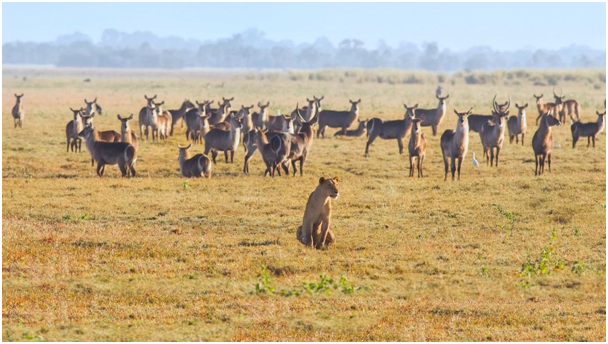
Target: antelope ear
(405, 105)
(416, 106)
(456, 112)
(525, 106)
(336, 179)
(322, 180)
(267, 103)
(118, 116)
(359, 101)
(131, 117)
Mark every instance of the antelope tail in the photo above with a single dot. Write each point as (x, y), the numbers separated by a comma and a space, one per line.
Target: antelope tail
(277, 144)
(130, 156)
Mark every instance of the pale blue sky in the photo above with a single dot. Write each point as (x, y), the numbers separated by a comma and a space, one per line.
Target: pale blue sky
(456, 26)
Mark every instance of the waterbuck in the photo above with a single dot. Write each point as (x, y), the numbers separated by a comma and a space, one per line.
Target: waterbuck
(566, 107)
(178, 114)
(260, 118)
(72, 129)
(126, 134)
(109, 153)
(389, 130)
(197, 124)
(196, 166)
(301, 144)
(542, 142)
(243, 114)
(222, 140)
(433, 117)
(164, 122)
(285, 127)
(280, 122)
(476, 121)
(219, 115)
(492, 133)
(145, 116)
(543, 108)
(306, 112)
(417, 147)
(455, 143)
(92, 107)
(589, 130)
(274, 149)
(338, 119)
(360, 131)
(18, 111)
(517, 124)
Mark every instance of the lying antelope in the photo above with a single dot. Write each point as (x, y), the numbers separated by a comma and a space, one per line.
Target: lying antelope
(542, 142)
(301, 143)
(543, 108)
(338, 119)
(360, 131)
(492, 133)
(179, 114)
(417, 147)
(566, 107)
(196, 166)
(517, 124)
(18, 111)
(588, 130)
(455, 143)
(126, 134)
(389, 130)
(433, 117)
(109, 153)
(222, 140)
(72, 129)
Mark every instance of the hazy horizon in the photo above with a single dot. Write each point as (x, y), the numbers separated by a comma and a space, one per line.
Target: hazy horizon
(500, 26)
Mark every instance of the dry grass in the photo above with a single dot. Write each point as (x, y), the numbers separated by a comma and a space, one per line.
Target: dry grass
(152, 258)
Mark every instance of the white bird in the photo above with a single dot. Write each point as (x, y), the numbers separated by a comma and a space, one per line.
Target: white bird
(557, 145)
(475, 163)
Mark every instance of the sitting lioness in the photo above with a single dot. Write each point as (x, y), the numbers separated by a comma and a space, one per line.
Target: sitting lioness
(315, 227)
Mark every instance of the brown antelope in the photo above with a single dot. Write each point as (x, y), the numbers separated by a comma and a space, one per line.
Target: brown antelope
(517, 124)
(338, 119)
(109, 153)
(567, 107)
(196, 166)
(249, 140)
(455, 143)
(476, 121)
(588, 130)
(197, 123)
(106, 135)
(542, 142)
(543, 108)
(145, 116)
(280, 122)
(559, 106)
(72, 129)
(18, 111)
(301, 144)
(243, 114)
(274, 150)
(308, 112)
(222, 140)
(389, 130)
(92, 107)
(360, 131)
(492, 133)
(178, 114)
(433, 117)
(126, 134)
(417, 147)
(164, 122)
(219, 115)
(260, 118)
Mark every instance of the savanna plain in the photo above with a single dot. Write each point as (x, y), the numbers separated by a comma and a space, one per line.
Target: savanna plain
(501, 255)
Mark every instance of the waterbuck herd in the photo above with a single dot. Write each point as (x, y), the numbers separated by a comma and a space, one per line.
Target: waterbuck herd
(285, 140)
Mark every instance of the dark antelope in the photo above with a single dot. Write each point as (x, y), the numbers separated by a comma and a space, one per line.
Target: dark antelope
(360, 131)
(221, 140)
(567, 107)
(389, 130)
(492, 133)
(588, 130)
(544, 108)
(196, 166)
(417, 147)
(542, 142)
(126, 134)
(179, 114)
(433, 117)
(18, 111)
(301, 144)
(109, 153)
(72, 129)
(338, 119)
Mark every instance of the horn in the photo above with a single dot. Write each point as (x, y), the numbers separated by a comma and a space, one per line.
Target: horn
(494, 105)
(298, 113)
(508, 104)
(555, 95)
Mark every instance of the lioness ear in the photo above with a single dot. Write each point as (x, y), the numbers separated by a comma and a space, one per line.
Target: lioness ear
(322, 180)
(336, 179)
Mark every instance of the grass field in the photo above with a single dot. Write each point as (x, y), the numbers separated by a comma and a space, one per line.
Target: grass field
(161, 257)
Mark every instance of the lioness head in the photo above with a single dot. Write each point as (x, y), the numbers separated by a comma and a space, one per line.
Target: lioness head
(329, 187)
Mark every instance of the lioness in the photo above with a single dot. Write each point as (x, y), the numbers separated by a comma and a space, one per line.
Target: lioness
(317, 217)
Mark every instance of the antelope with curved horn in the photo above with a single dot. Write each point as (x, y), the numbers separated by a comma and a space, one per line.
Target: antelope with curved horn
(433, 117)
(517, 124)
(301, 143)
(196, 166)
(338, 119)
(309, 111)
(92, 107)
(542, 142)
(126, 134)
(476, 121)
(274, 149)
(390, 130)
(492, 132)
(588, 130)
(18, 111)
(72, 129)
(219, 115)
(282, 123)
(455, 143)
